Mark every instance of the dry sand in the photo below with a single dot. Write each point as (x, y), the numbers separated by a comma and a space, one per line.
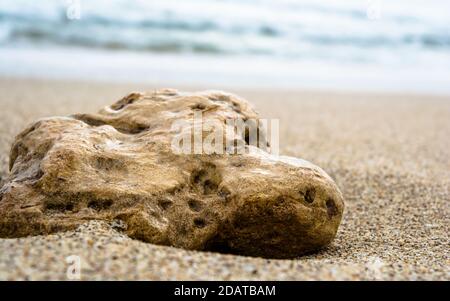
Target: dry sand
(390, 154)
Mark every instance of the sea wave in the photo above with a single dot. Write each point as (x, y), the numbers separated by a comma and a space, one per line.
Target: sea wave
(312, 30)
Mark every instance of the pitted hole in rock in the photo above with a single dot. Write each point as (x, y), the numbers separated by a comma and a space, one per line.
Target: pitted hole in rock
(209, 187)
(206, 180)
(165, 203)
(58, 206)
(197, 176)
(109, 164)
(236, 107)
(38, 175)
(95, 121)
(238, 164)
(332, 210)
(127, 100)
(100, 205)
(195, 205)
(224, 193)
(310, 195)
(137, 129)
(198, 107)
(199, 222)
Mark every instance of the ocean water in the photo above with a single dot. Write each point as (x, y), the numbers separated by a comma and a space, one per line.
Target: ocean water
(396, 45)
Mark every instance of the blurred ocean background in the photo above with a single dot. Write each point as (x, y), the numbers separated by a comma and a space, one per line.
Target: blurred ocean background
(349, 44)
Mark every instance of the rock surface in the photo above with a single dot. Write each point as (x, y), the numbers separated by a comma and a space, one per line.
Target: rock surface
(119, 165)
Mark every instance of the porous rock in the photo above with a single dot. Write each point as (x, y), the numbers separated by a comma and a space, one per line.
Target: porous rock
(119, 165)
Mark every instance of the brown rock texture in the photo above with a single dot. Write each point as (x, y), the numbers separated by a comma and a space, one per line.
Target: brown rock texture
(119, 165)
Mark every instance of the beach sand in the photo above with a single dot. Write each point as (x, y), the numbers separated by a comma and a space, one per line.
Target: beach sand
(389, 154)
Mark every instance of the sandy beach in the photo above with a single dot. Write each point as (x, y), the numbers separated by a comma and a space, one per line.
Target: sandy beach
(389, 154)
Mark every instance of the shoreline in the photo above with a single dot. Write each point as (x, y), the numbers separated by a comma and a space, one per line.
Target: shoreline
(227, 71)
(372, 95)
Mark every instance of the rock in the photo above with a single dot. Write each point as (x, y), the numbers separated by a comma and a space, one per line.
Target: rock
(120, 165)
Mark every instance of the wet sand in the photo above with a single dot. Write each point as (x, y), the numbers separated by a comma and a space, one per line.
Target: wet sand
(389, 154)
